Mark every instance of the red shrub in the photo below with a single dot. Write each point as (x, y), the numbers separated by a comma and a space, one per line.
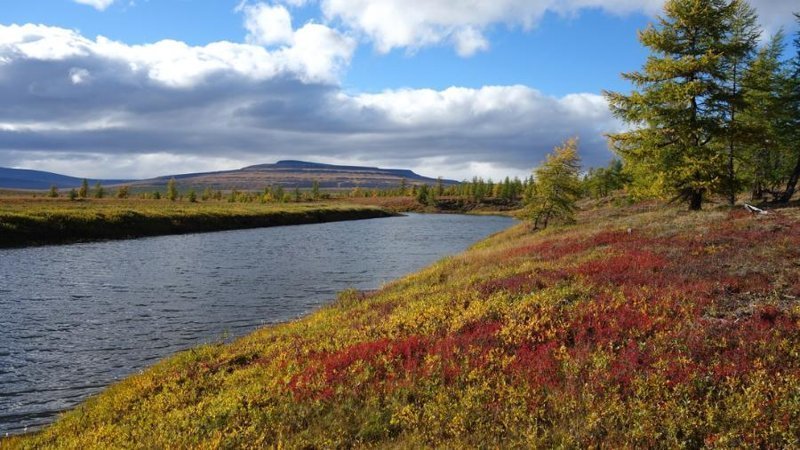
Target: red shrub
(516, 284)
(537, 365)
(633, 267)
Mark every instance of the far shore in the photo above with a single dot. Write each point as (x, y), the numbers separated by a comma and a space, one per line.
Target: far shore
(29, 223)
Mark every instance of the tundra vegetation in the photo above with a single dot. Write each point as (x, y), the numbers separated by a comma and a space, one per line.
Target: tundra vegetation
(621, 322)
(637, 326)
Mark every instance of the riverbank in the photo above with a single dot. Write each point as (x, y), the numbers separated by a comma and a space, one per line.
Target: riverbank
(25, 221)
(445, 205)
(642, 326)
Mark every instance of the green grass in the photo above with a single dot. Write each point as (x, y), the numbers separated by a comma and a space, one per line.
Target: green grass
(638, 327)
(25, 221)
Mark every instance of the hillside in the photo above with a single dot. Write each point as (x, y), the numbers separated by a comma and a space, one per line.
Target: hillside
(636, 328)
(36, 179)
(291, 174)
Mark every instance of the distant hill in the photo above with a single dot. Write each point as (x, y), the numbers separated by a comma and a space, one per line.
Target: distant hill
(36, 179)
(289, 174)
(300, 174)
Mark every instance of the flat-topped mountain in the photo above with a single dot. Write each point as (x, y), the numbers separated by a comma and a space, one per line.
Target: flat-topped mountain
(301, 174)
(289, 174)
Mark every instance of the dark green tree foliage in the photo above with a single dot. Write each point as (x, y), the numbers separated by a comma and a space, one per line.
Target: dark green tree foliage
(601, 182)
(73, 194)
(558, 186)
(53, 192)
(99, 191)
(678, 100)
(425, 195)
(315, 195)
(740, 44)
(762, 121)
(278, 193)
(156, 195)
(403, 187)
(172, 190)
(791, 127)
(84, 191)
(439, 190)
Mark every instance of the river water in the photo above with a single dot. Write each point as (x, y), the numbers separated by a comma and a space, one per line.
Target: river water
(76, 318)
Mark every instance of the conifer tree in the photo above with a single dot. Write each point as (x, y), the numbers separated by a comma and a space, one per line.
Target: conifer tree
(740, 44)
(123, 191)
(172, 190)
(791, 128)
(84, 190)
(678, 100)
(557, 188)
(762, 120)
(315, 190)
(99, 192)
(439, 187)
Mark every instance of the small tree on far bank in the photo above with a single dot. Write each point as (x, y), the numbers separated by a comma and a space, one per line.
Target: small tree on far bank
(123, 192)
(557, 187)
(172, 190)
(84, 191)
(425, 195)
(53, 192)
(315, 190)
(99, 192)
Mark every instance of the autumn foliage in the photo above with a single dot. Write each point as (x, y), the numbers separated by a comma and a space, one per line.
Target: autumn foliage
(647, 327)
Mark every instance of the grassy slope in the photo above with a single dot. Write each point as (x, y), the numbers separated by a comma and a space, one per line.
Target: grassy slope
(25, 221)
(683, 332)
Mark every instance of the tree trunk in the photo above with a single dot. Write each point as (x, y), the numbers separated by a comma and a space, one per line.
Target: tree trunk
(792, 184)
(696, 200)
(731, 144)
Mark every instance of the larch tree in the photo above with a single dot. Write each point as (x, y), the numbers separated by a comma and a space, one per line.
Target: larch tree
(762, 120)
(557, 187)
(84, 190)
(740, 44)
(677, 131)
(791, 96)
(172, 190)
(99, 191)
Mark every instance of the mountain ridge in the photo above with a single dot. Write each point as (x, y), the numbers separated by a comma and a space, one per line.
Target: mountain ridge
(287, 173)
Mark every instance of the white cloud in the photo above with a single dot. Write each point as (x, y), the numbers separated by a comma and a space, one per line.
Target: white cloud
(99, 5)
(413, 24)
(391, 24)
(318, 55)
(79, 76)
(267, 25)
(470, 41)
(775, 14)
(117, 110)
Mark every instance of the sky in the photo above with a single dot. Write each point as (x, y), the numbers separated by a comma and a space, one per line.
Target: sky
(453, 88)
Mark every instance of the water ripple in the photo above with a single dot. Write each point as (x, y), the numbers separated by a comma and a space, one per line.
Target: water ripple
(76, 318)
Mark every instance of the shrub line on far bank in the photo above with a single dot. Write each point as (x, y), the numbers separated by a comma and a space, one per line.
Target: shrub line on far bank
(21, 230)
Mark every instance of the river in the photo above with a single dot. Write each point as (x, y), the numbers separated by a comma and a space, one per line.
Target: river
(76, 318)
